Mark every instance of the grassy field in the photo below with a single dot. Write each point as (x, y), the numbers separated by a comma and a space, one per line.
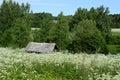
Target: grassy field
(115, 30)
(18, 65)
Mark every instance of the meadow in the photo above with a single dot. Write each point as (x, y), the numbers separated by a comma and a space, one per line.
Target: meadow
(16, 64)
(115, 30)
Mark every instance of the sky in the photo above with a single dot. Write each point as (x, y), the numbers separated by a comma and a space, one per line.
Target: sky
(68, 7)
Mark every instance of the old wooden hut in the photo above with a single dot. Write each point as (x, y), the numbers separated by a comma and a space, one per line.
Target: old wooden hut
(41, 47)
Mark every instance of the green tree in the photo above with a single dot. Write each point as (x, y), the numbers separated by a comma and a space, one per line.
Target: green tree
(92, 14)
(40, 19)
(79, 15)
(13, 17)
(59, 34)
(87, 38)
(44, 22)
(103, 22)
(20, 33)
(115, 20)
(99, 15)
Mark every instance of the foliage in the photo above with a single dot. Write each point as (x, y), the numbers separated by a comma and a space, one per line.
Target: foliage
(92, 14)
(43, 21)
(80, 14)
(103, 22)
(115, 20)
(20, 33)
(59, 34)
(114, 42)
(87, 38)
(16, 21)
(17, 64)
(115, 39)
(99, 15)
(14, 24)
(40, 19)
(114, 49)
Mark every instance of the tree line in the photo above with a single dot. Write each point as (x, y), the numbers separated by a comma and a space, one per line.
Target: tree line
(85, 31)
(14, 24)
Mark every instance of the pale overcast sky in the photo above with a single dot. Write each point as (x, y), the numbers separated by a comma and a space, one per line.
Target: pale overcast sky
(68, 7)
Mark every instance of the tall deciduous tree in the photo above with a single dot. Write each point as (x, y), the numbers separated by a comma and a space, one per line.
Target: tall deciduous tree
(14, 19)
(59, 34)
(43, 21)
(115, 20)
(20, 33)
(87, 38)
(99, 15)
(103, 22)
(92, 14)
(79, 15)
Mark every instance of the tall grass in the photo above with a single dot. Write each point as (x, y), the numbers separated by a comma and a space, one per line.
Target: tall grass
(18, 65)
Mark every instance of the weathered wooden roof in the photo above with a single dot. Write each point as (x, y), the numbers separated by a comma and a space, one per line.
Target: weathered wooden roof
(40, 47)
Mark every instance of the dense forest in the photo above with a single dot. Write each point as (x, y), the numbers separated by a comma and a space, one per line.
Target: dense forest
(85, 31)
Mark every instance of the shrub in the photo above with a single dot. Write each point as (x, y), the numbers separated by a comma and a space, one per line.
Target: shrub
(87, 38)
(114, 39)
(114, 49)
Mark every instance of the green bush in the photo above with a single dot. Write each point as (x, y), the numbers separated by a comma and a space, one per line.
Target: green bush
(114, 49)
(115, 39)
(87, 38)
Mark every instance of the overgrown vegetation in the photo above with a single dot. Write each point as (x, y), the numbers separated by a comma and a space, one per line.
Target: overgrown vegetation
(17, 64)
(44, 22)
(87, 38)
(14, 24)
(59, 33)
(114, 43)
(115, 20)
(85, 31)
